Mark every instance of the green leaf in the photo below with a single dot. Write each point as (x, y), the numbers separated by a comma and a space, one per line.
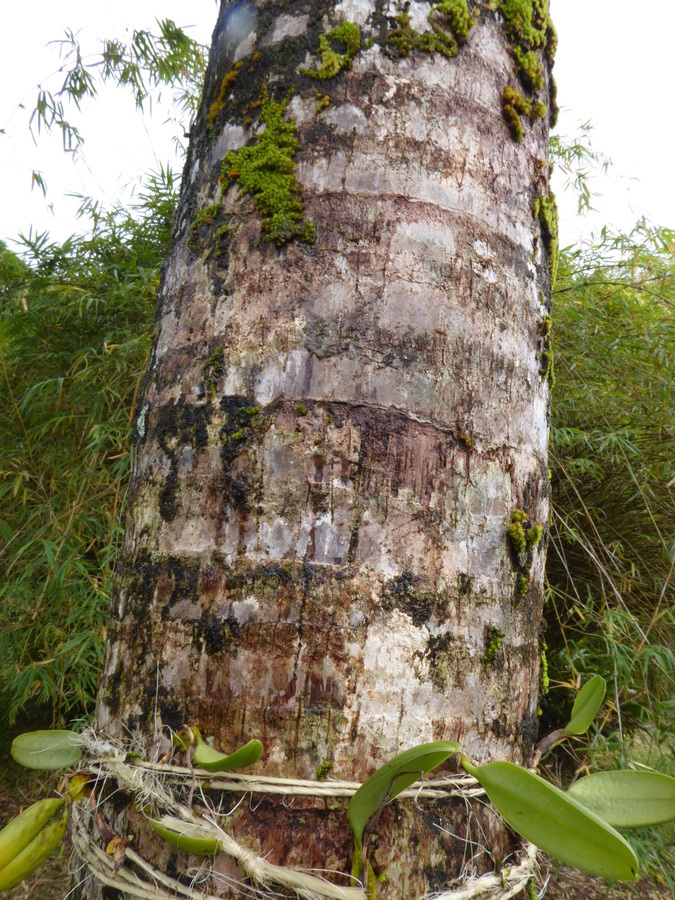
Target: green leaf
(186, 835)
(588, 702)
(393, 777)
(207, 758)
(46, 749)
(627, 798)
(555, 822)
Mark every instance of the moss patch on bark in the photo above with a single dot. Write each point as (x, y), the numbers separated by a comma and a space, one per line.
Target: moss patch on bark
(546, 211)
(450, 21)
(266, 171)
(534, 39)
(522, 537)
(332, 63)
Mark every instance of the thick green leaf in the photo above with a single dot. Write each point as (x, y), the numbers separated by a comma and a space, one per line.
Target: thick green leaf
(393, 777)
(20, 831)
(588, 702)
(36, 852)
(46, 749)
(556, 822)
(186, 835)
(627, 798)
(207, 758)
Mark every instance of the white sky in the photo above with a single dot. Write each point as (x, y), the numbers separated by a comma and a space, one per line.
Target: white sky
(614, 66)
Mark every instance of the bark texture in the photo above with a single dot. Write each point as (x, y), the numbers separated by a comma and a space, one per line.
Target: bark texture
(334, 436)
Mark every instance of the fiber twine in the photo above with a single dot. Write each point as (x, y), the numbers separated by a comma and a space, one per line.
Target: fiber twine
(158, 786)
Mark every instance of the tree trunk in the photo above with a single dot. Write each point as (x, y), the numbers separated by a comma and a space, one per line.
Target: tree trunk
(342, 443)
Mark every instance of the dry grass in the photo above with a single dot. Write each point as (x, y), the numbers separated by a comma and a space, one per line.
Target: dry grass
(570, 884)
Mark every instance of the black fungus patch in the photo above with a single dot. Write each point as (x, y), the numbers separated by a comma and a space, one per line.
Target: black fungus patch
(439, 654)
(529, 729)
(179, 425)
(215, 635)
(243, 428)
(464, 584)
(406, 592)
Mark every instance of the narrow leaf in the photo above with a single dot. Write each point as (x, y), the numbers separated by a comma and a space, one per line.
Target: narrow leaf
(393, 777)
(556, 822)
(588, 702)
(46, 749)
(627, 798)
(207, 758)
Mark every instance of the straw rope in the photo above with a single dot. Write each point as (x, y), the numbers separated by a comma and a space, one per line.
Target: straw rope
(164, 786)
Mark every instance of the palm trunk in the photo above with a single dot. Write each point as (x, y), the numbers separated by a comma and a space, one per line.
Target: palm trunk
(337, 435)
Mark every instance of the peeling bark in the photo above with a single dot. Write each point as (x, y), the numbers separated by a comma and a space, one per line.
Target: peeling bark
(333, 437)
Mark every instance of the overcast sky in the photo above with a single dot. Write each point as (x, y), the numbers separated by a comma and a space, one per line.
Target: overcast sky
(614, 67)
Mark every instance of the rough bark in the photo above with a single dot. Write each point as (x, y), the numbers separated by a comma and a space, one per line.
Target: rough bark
(334, 436)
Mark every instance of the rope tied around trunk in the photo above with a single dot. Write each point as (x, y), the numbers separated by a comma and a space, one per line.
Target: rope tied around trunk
(161, 786)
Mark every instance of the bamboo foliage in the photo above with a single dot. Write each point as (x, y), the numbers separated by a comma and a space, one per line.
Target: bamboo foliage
(74, 335)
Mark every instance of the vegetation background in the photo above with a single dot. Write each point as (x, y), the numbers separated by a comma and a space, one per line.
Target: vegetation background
(75, 330)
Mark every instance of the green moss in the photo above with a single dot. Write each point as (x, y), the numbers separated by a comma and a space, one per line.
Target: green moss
(527, 21)
(529, 67)
(322, 770)
(332, 62)
(522, 538)
(548, 361)
(533, 535)
(516, 535)
(323, 101)
(492, 642)
(515, 105)
(545, 684)
(456, 15)
(551, 41)
(213, 369)
(206, 216)
(553, 101)
(533, 37)
(302, 409)
(405, 39)
(546, 355)
(266, 171)
(546, 211)
(198, 239)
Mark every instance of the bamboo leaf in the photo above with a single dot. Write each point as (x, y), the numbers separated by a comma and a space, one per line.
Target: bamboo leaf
(627, 798)
(555, 822)
(588, 702)
(393, 777)
(46, 749)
